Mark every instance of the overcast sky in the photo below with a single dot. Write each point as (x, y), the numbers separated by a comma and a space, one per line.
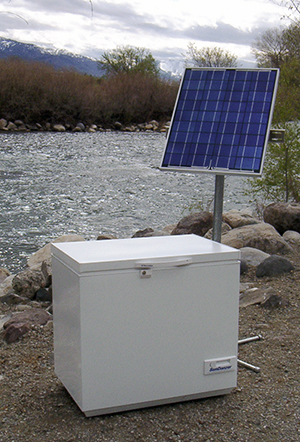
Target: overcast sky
(165, 27)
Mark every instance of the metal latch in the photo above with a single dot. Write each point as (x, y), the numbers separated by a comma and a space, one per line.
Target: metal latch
(145, 273)
(276, 136)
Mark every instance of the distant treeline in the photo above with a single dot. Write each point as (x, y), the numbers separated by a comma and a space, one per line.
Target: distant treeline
(37, 93)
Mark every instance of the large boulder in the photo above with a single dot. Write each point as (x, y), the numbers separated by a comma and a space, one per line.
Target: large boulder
(260, 236)
(236, 218)
(4, 273)
(44, 254)
(283, 216)
(224, 229)
(28, 282)
(6, 285)
(21, 323)
(150, 232)
(292, 238)
(197, 223)
(253, 257)
(274, 266)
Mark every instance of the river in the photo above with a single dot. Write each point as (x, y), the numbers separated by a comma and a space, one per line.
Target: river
(104, 182)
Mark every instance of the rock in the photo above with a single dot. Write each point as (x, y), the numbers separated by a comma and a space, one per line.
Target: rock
(59, 128)
(4, 273)
(198, 223)
(273, 301)
(4, 319)
(81, 126)
(243, 268)
(253, 257)
(103, 236)
(23, 129)
(255, 295)
(292, 238)
(224, 229)
(44, 254)
(28, 282)
(20, 323)
(32, 127)
(131, 128)
(44, 295)
(11, 126)
(48, 326)
(3, 123)
(118, 125)
(169, 228)
(19, 123)
(6, 286)
(150, 232)
(274, 266)
(283, 216)
(46, 269)
(13, 332)
(12, 298)
(142, 233)
(235, 218)
(77, 129)
(260, 236)
(148, 126)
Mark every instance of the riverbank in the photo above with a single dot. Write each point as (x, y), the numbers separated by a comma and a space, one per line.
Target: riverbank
(20, 126)
(35, 406)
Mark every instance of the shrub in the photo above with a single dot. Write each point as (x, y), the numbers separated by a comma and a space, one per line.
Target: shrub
(36, 92)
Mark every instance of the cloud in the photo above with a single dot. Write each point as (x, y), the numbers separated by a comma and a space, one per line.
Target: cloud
(92, 27)
(82, 7)
(222, 33)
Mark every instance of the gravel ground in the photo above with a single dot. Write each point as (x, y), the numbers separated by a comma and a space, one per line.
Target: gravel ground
(265, 406)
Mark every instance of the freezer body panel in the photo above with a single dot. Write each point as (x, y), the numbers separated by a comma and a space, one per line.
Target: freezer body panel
(67, 328)
(144, 339)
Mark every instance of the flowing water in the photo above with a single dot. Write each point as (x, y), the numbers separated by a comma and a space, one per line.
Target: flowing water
(105, 182)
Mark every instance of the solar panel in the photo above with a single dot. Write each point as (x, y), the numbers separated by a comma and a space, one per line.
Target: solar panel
(221, 121)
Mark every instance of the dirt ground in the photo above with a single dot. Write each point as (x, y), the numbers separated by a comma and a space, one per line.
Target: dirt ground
(265, 406)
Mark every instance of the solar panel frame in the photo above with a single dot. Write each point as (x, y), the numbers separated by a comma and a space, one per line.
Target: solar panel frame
(221, 121)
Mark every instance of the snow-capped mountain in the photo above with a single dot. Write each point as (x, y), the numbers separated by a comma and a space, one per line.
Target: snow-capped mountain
(66, 60)
(57, 58)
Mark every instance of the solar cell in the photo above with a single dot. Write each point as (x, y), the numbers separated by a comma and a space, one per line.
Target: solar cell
(221, 121)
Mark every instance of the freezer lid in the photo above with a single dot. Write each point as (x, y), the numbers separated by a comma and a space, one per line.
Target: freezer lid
(116, 254)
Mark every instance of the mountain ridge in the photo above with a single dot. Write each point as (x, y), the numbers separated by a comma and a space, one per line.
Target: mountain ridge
(59, 59)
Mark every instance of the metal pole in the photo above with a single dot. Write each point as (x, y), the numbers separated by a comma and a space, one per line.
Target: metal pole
(251, 339)
(249, 366)
(245, 364)
(218, 207)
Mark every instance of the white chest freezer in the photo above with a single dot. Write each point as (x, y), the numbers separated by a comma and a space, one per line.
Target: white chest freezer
(145, 321)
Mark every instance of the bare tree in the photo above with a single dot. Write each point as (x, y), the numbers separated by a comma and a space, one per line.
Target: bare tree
(292, 7)
(209, 57)
(277, 46)
(270, 48)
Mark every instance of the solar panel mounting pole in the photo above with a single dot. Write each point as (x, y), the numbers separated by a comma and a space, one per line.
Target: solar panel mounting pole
(218, 207)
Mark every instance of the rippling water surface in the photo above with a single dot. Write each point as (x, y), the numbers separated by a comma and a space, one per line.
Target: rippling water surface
(53, 184)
